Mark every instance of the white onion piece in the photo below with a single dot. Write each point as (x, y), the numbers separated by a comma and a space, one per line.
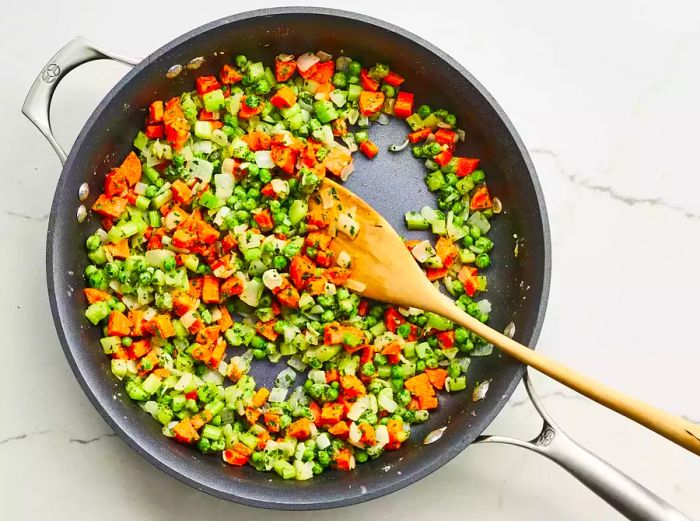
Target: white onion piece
(228, 165)
(344, 260)
(272, 279)
(480, 391)
(140, 188)
(263, 159)
(423, 251)
(284, 57)
(306, 61)
(278, 394)
(156, 258)
(355, 434)
(484, 306)
(280, 186)
(381, 435)
(358, 408)
(433, 436)
(356, 285)
(324, 56)
(383, 119)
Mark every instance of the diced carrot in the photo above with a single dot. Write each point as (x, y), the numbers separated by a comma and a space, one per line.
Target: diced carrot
(284, 157)
(331, 413)
(267, 330)
(118, 250)
(147, 363)
(339, 127)
(319, 240)
(185, 432)
(181, 192)
(480, 199)
(229, 75)
(337, 275)
(131, 168)
(396, 434)
(252, 414)
(95, 295)
(136, 321)
(447, 251)
(210, 290)
(284, 98)
(247, 112)
(468, 277)
(392, 348)
(201, 352)
(340, 430)
(369, 149)
(428, 402)
(260, 397)
(371, 102)
(368, 435)
(164, 326)
(332, 375)
(242, 449)
(162, 372)
(284, 69)
(419, 135)
(139, 348)
(118, 324)
(232, 286)
(316, 285)
(235, 458)
(324, 72)
(333, 333)
(344, 460)
(115, 183)
(300, 270)
(195, 290)
(177, 129)
(182, 303)
(272, 421)
(202, 417)
(208, 335)
(217, 353)
(110, 206)
(325, 258)
(155, 112)
(437, 377)
(352, 386)
(337, 161)
(264, 220)
(225, 322)
(300, 429)
(445, 136)
(228, 243)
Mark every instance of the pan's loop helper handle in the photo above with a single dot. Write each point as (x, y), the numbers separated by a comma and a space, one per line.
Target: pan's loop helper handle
(38, 101)
(619, 490)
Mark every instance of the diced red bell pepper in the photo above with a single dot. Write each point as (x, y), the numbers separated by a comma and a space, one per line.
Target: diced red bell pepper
(324, 72)
(284, 98)
(155, 131)
(233, 457)
(446, 339)
(264, 220)
(367, 82)
(466, 165)
(445, 136)
(404, 105)
(393, 79)
(207, 84)
(393, 319)
(443, 157)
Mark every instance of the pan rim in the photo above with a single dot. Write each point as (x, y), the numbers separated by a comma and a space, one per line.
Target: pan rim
(353, 495)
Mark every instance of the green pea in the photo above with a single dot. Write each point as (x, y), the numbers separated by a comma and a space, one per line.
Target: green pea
(482, 261)
(461, 335)
(431, 362)
(323, 458)
(331, 394)
(151, 191)
(262, 87)
(126, 341)
(328, 316)
(404, 330)
(424, 111)
(368, 369)
(169, 264)
(475, 232)
(420, 366)
(361, 456)
(340, 81)
(354, 68)
(451, 120)
(388, 90)
(91, 269)
(93, 242)
(240, 61)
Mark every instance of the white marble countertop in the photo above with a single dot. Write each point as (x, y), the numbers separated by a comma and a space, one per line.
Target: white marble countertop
(604, 95)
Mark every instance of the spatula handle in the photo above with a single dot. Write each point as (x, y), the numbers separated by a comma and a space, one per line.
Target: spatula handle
(678, 430)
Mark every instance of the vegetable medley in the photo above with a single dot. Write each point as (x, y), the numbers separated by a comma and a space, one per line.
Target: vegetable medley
(209, 258)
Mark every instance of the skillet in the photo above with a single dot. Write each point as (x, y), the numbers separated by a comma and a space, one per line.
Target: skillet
(392, 183)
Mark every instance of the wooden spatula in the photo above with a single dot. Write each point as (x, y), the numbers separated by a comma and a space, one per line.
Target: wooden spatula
(386, 271)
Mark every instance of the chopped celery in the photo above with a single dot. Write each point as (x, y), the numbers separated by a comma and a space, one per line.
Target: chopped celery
(140, 141)
(438, 322)
(415, 221)
(97, 311)
(214, 100)
(354, 92)
(325, 111)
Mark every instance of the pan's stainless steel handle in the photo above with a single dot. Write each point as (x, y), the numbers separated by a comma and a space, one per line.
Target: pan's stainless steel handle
(619, 490)
(38, 101)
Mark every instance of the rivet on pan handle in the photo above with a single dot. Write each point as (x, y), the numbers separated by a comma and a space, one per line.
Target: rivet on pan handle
(617, 489)
(38, 101)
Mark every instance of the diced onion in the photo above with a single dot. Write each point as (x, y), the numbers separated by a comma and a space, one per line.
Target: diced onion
(480, 391)
(213, 376)
(263, 159)
(323, 441)
(306, 61)
(381, 435)
(327, 199)
(383, 119)
(423, 251)
(140, 188)
(221, 215)
(156, 258)
(347, 171)
(317, 376)
(356, 285)
(358, 408)
(385, 400)
(183, 382)
(228, 165)
(150, 313)
(285, 378)
(252, 291)
(272, 279)
(280, 186)
(278, 394)
(324, 56)
(188, 319)
(284, 57)
(344, 260)
(201, 169)
(355, 434)
(348, 225)
(484, 306)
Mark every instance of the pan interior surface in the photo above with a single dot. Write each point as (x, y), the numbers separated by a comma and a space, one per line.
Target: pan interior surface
(392, 183)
